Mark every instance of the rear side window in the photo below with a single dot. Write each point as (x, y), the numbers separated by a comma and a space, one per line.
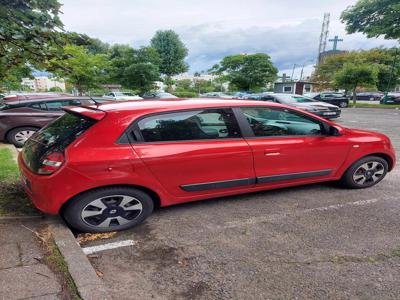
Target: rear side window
(54, 137)
(190, 125)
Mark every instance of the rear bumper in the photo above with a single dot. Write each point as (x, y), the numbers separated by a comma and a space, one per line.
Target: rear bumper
(49, 193)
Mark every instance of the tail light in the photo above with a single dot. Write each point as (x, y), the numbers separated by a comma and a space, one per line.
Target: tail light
(51, 163)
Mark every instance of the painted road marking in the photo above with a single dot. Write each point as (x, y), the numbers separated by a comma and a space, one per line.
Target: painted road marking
(94, 249)
(276, 217)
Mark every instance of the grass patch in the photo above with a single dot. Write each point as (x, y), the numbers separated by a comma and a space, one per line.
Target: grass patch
(55, 261)
(13, 199)
(372, 105)
(8, 167)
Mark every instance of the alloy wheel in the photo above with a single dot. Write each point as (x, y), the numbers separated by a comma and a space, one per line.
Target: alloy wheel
(368, 173)
(109, 211)
(23, 135)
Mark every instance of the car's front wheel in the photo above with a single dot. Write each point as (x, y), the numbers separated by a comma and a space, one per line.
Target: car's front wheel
(365, 172)
(108, 209)
(343, 104)
(18, 136)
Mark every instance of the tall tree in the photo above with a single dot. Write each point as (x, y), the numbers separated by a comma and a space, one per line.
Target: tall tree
(172, 52)
(352, 76)
(374, 18)
(29, 32)
(82, 69)
(134, 68)
(382, 59)
(247, 72)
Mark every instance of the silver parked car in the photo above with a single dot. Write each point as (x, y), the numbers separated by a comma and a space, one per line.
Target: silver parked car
(322, 109)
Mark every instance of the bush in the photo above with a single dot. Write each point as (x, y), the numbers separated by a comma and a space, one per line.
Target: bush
(185, 94)
(55, 89)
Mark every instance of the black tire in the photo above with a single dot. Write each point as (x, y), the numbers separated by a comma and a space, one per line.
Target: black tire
(13, 136)
(343, 104)
(353, 177)
(75, 210)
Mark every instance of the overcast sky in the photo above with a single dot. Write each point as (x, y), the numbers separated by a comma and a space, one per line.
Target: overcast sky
(287, 30)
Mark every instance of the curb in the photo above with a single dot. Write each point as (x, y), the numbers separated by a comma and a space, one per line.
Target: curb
(88, 284)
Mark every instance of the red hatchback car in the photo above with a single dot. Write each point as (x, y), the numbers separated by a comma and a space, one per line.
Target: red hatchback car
(104, 167)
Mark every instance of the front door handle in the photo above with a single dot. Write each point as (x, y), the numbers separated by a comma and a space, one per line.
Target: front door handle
(272, 152)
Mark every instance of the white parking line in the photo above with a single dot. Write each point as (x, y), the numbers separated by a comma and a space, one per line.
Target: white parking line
(275, 217)
(93, 249)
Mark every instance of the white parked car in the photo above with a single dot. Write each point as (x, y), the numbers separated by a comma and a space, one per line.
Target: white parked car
(121, 96)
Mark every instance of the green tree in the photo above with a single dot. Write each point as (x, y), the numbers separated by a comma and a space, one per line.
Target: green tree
(352, 76)
(82, 69)
(374, 18)
(247, 72)
(382, 59)
(29, 32)
(55, 89)
(172, 53)
(134, 68)
(11, 80)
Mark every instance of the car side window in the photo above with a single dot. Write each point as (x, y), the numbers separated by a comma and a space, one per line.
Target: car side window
(74, 102)
(40, 106)
(190, 125)
(56, 105)
(267, 122)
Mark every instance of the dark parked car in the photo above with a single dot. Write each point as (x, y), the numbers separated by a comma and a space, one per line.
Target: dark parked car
(158, 95)
(20, 119)
(334, 98)
(391, 98)
(370, 96)
(322, 109)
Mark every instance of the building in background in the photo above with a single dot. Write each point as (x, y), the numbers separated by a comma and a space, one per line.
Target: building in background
(298, 87)
(43, 84)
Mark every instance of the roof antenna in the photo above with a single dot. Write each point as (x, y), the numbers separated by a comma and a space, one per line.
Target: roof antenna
(97, 103)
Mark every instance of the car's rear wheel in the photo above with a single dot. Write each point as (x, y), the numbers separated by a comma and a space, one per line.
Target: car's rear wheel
(343, 104)
(108, 209)
(365, 172)
(18, 136)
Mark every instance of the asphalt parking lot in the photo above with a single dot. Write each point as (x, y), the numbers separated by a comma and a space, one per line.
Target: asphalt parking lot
(316, 241)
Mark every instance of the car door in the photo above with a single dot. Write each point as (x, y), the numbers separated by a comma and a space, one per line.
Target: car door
(289, 146)
(195, 152)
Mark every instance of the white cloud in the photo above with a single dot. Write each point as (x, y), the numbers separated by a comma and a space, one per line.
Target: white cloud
(288, 30)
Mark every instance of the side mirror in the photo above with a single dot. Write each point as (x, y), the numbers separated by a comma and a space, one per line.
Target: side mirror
(335, 131)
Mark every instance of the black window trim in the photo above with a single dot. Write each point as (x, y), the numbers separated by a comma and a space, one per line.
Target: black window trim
(248, 131)
(133, 136)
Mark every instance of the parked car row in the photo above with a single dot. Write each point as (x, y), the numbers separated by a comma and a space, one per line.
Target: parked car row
(105, 167)
(391, 98)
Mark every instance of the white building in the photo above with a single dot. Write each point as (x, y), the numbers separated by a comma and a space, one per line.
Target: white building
(43, 83)
(191, 77)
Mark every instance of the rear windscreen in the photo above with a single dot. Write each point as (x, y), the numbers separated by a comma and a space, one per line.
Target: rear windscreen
(54, 137)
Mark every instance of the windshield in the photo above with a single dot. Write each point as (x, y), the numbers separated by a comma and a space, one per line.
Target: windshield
(294, 99)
